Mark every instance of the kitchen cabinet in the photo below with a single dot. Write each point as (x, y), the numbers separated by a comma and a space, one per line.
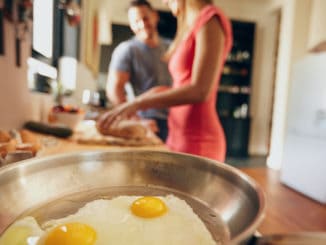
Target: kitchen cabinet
(234, 93)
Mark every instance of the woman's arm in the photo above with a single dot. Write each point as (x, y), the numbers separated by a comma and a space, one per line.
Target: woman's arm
(156, 89)
(208, 57)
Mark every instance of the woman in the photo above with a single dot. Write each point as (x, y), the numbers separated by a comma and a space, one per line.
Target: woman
(196, 58)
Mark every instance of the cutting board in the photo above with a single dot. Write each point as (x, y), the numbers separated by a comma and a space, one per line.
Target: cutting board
(86, 133)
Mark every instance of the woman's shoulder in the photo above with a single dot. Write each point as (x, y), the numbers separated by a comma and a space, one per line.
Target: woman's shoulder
(210, 10)
(207, 13)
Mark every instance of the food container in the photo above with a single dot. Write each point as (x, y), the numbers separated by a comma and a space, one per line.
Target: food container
(67, 119)
(67, 116)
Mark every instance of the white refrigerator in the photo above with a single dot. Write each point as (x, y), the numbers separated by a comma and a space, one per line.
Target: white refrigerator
(304, 161)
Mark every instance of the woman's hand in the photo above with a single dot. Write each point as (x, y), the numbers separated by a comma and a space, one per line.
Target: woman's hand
(118, 113)
(129, 109)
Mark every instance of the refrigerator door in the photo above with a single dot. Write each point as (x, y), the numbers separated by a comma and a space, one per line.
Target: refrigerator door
(304, 161)
(304, 165)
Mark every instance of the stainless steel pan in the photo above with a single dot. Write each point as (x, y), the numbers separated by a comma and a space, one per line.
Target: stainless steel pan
(229, 202)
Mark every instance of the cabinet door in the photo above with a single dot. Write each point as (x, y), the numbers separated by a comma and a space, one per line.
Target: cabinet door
(233, 101)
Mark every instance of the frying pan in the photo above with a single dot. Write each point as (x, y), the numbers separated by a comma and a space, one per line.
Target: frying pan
(229, 202)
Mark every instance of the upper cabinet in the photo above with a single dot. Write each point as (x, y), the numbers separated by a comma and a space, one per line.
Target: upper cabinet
(55, 30)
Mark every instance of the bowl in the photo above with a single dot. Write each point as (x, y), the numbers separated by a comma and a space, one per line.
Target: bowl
(66, 115)
(67, 119)
(230, 203)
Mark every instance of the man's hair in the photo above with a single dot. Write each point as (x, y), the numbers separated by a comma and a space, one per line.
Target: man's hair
(138, 3)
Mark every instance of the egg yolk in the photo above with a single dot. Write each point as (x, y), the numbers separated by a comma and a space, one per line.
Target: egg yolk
(71, 234)
(148, 207)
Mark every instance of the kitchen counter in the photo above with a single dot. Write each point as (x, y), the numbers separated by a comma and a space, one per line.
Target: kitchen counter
(287, 211)
(58, 146)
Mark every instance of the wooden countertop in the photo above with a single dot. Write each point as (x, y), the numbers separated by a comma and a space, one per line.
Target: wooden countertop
(287, 211)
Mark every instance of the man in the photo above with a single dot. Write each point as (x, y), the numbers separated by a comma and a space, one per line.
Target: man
(139, 61)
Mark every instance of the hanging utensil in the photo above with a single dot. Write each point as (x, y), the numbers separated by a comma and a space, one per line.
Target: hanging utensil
(1, 29)
(72, 11)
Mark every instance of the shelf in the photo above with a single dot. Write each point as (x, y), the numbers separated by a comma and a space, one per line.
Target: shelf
(240, 57)
(229, 70)
(233, 89)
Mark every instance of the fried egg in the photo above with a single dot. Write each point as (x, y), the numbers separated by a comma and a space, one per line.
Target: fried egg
(123, 220)
(25, 231)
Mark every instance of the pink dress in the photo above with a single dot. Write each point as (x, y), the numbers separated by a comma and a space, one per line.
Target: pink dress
(196, 128)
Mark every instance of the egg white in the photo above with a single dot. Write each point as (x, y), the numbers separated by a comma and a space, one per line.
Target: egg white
(24, 231)
(114, 223)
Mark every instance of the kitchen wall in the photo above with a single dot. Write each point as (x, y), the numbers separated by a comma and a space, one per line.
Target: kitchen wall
(317, 21)
(17, 103)
(15, 99)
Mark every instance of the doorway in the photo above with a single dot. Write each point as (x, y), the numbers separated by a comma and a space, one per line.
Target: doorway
(263, 83)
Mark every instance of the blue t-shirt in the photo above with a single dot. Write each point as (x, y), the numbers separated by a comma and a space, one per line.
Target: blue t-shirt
(145, 66)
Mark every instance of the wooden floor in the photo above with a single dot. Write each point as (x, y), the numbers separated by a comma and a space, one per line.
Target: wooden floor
(252, 161)
(288, 211)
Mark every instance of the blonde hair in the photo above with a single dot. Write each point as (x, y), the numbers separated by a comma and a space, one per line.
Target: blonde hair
(182, 26)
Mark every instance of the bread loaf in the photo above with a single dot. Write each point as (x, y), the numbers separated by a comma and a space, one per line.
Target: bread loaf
(4, 136)
(30, 140)
(128, 129)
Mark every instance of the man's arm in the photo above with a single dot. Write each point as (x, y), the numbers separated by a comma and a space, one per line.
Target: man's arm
(115, 86)
(119, 73)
